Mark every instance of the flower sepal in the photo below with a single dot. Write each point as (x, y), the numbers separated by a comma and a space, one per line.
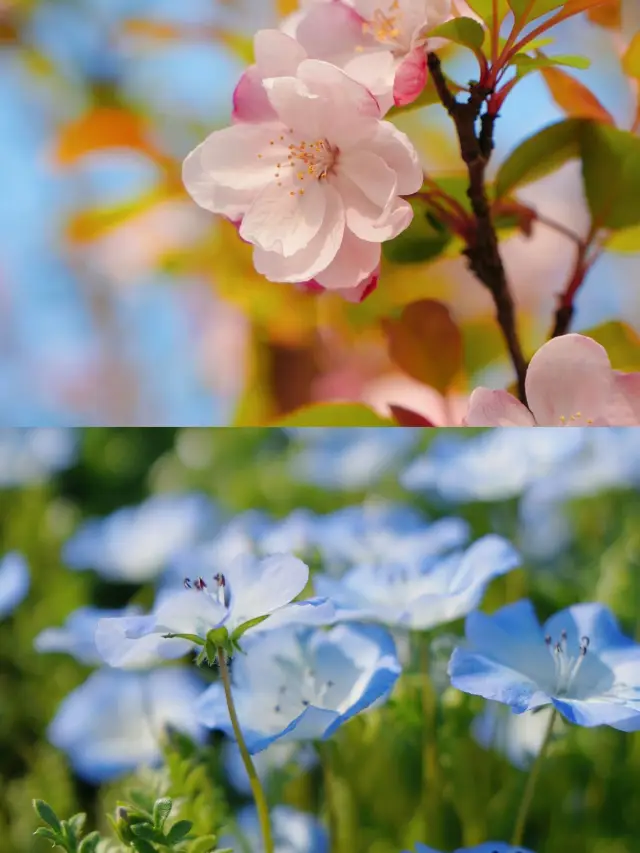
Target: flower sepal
(217, 638)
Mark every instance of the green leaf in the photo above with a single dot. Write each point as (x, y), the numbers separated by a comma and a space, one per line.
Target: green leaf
(424, 239)
(45, 832)
(332, 414)
(526, 64)
(77, 822)
(625, 240)
(47, 814)
(611, 174)
(161, 811)
(464, 31)
(89, 844)
(528, 10)
(206, 844)
(484, 8)
(621, 342)
(143, 846)
(192, 637)
(178, 831)
(146, 832)
(539, 155)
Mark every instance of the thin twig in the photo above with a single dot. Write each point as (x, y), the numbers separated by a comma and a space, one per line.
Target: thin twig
(582, 265)
(482, 249)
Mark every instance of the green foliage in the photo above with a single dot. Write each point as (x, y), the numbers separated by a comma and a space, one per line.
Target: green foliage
(611, 174)
(464, 31)
(424, 240)
(333, 414)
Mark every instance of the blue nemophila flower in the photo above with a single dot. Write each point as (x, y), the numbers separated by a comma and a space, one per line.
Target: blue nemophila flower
(32, 455)
(420, 594)
(293, 832)
(579, 661)
(251, 588)
(134, 544)
(519, 737)
(114, 722)
(349, 458)
(487, 847)
(77, 636)
(300, 684)
(495, 465)
(284, 756)
(14, 582)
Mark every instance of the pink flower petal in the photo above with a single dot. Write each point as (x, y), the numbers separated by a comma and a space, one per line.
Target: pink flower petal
(399, 153)
(296, 107)
(250, 102)
(628, 386)
(313, 258)
(496, 408)
(277, 54)
(370, 174)
(283, 221)
(570, 381)
(355, 261)
(411, 77)
(239, 157)
(367, 221)
(330, 29)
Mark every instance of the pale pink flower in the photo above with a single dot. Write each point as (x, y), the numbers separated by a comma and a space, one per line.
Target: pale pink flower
(316, 188)
(570, 382)
(380, 43)
(398, 389)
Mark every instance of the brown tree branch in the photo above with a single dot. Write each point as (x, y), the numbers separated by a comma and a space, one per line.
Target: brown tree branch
(482, 249)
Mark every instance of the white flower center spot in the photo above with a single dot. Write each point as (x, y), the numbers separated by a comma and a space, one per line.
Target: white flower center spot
(310, 160)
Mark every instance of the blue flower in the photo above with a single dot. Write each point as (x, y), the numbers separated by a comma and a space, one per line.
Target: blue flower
(420, 594)
(354, 458)
(134, 544)
(14, 582)
(250, 588)
(519, 737)
(114, 722)
(579, 661)
(293, 832)
(77, 636)
(299, 684)
(32, 455)
(487, 847)
(495, 465)
(378, 533)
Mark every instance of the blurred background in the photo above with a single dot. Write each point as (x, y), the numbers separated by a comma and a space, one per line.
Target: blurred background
(123, 303)
(103, 518)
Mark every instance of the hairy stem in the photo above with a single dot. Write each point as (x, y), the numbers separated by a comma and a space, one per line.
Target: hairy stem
(527, 797)
(482, 247)
(256, 785)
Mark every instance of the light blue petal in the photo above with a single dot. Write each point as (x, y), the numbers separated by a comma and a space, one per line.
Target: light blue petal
(14, 582)
(591, 620)
(131, 642)
(486, 559)
(77, 636)
(494, 847)
(480, 676)
(600, 713)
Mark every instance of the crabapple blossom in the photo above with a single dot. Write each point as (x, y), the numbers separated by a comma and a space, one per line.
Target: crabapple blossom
(380, 43)
(317, 188)
(570, 382)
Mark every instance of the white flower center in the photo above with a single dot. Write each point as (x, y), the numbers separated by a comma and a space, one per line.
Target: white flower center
(566, 666)
(310, 160)
(571, 420)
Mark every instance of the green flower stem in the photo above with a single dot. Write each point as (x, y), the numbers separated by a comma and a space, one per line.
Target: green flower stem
(432, 782)
(256, 785)
(527, 797)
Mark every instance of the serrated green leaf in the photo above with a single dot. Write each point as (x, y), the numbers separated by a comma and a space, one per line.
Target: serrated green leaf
(611, 174)
(161, 811)
(178, 831)
(539, 155)
(464, 31)
(47, 814)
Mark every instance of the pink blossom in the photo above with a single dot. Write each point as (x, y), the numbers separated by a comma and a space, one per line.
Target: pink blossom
(569, 382)
(317, 187)
(380, 43)
(398, 389)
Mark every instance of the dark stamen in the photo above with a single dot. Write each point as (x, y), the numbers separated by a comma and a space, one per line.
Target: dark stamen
(200, 584)
(187, 583)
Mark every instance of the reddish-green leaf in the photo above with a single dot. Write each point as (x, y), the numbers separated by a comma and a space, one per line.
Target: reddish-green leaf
(611, 174)
(426, 343)
(573, 97)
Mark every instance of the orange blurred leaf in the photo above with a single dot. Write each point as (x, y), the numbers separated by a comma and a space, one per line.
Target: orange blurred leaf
(99, 129)
(160, 30)
(426, 343)
(286, 7)
(573, 97)
(89, 225)
(606, 16)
